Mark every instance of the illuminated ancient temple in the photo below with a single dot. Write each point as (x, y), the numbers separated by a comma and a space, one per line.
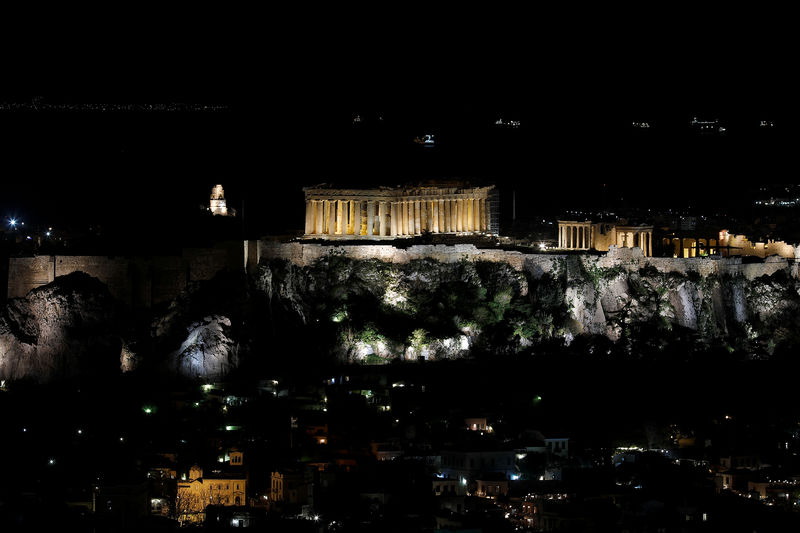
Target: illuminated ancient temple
(397, 212)
(574, 235)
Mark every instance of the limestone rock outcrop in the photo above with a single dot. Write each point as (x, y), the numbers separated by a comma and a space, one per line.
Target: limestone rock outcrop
(63, 329)
(207, 352)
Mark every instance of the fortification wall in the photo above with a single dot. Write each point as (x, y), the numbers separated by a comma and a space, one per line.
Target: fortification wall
(138, 281)
(146, 281)
(743, 246)
(631, 259)
(305, 254)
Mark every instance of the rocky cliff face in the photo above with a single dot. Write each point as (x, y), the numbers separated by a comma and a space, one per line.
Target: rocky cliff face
(66, 328)
(371, 311)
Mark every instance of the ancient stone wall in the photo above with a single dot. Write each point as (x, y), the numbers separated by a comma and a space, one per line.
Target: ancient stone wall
(743, 246)
(631, 259)
(146, 281)
(137, 281)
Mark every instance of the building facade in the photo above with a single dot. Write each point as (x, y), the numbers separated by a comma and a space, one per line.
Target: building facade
(586, 235)
(217, 488)
(398, 212)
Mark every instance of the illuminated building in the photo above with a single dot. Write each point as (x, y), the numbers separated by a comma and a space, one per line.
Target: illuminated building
(289, 487)
(574, 235)
(217, 204)
(400, 212)
(218, 488)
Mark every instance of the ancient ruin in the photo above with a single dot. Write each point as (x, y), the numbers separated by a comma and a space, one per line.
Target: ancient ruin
(574, 235)
(398, 212)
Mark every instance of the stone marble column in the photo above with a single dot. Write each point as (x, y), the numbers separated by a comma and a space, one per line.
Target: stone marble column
(357, 218)
(370, 217)
(417, 218)
(309, 218)
(423, 216)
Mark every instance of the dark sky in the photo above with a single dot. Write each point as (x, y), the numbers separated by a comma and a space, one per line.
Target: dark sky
(125, 127)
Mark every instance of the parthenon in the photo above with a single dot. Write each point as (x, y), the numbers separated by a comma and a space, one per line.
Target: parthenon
(574, 235)
(397, 212)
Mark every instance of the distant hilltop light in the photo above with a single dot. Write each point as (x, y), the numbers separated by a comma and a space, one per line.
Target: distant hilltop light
(507, 123)
(426, 140)
(643, 125)
(707, 126)
(766, 124)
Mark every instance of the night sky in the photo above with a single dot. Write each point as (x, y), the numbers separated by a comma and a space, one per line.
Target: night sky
(139, 131)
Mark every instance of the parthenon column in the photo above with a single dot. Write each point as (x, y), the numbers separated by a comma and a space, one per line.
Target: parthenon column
(473, 203)
(370, 217)
(435, 215)
(339, 215)
(309, 217)
(412, 218)
(317, 216)
(446, 204)
(381, 218)
(357, 217)
(417, 218)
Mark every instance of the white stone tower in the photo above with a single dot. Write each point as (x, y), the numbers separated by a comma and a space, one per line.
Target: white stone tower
(217, 204)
